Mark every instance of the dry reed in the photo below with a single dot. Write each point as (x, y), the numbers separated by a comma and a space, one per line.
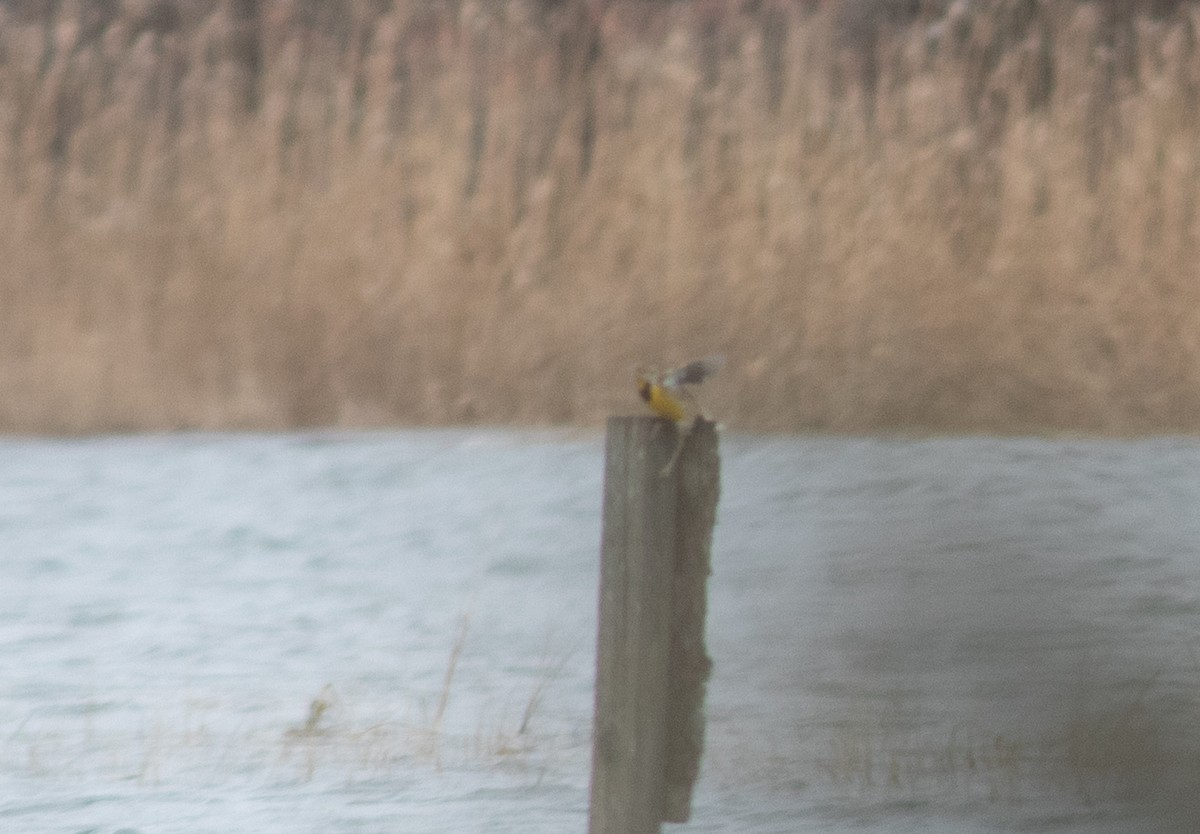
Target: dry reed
(284, 213)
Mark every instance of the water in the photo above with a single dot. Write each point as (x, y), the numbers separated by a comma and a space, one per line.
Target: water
(394, 633)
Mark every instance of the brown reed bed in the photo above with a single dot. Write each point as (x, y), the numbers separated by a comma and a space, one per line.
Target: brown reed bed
(927, 215)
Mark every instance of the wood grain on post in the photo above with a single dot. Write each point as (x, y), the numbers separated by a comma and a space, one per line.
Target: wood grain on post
(651, 664)
(698, 488)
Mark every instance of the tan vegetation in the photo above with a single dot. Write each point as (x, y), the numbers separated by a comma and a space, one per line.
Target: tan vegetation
(233, 213)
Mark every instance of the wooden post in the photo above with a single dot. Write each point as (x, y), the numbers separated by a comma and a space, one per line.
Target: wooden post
(651, 663)
(698, 474)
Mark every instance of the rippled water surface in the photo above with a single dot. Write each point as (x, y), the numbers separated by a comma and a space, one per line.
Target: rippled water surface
(394, 633)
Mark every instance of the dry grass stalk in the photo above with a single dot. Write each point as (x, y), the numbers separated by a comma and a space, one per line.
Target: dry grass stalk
(363, 213)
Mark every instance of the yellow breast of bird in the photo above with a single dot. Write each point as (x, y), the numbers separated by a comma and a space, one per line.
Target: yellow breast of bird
(663, 403)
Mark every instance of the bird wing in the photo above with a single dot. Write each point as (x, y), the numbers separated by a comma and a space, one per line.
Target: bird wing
(693, 373)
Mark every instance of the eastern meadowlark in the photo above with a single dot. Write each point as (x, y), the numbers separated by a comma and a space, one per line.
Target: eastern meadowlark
(669, 395)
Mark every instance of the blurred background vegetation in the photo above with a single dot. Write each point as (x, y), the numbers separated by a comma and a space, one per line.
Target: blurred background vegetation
(890, 214)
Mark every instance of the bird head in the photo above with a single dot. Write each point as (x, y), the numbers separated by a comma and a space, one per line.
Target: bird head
(643, 382)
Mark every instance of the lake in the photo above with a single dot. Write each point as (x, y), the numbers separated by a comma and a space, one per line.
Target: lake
(394, 632)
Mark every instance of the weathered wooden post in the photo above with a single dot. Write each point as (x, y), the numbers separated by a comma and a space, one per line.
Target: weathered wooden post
(651, 662)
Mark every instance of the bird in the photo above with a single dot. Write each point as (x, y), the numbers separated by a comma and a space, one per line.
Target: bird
(669, 395)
